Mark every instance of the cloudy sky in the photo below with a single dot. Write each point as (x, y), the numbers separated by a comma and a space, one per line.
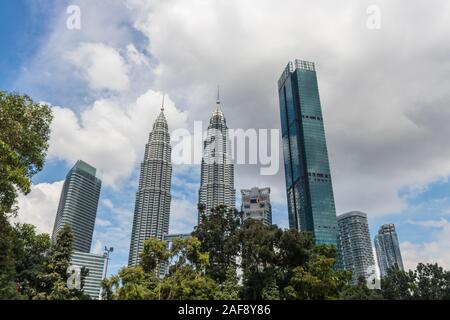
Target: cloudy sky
(384, 95)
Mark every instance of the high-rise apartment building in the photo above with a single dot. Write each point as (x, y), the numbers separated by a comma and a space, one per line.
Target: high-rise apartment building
(96, 265)
(256, 205)
(388, 249)
(309, 187)
(78, 205)
(356, 246)
(217, 169)
(153, 198)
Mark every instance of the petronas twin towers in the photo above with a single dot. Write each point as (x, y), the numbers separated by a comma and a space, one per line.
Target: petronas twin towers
(217, 173)
(152, 207)
(153, 198)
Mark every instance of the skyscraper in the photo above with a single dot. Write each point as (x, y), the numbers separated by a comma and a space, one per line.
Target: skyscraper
(217, 170)
(152, 207)
(78, 205)
(256, 205)
(388, 249)
(356, 246)
(308, 179)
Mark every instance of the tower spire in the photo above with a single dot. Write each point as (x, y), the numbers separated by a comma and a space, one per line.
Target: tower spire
(218, 94)
(162, 107)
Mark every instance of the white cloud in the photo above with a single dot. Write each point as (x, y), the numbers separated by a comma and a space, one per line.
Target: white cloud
(384, 93)
(103, 223)
(378, 113)
(98, 247)
(109, 135)
(434, 251)
(108, 203)
(40, 205)
(102, 66)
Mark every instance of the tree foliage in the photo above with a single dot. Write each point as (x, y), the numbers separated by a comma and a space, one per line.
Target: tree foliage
(24, 135)
(186, 279)
(360, 291)
(51, 283)
(217, 235)
(318, 279)
(427, 282)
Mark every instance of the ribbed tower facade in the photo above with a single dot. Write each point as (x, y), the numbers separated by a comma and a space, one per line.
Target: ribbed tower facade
(152, 208)
(78, 205)
(217, 171)
(356, 246)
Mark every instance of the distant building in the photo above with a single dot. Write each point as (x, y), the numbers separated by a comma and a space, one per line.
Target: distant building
(388, 249)
(256, 205)
(96, 265)
(309, 187)
(78, 205)
(153, 198)
(356, 246)
(173, 237)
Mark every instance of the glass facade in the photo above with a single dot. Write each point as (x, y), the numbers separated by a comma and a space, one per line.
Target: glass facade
(78, 205)
(308, 179)
(388, 249)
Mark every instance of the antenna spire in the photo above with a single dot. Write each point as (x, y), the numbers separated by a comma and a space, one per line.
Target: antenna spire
(218, 94)
(164, 96)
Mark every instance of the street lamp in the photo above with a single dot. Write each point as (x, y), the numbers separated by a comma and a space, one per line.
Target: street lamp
(106, 255)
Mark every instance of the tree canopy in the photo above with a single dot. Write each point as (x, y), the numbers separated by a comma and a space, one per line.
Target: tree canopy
(24, 135)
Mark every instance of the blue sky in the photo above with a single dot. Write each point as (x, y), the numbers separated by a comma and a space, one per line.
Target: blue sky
(387, 148)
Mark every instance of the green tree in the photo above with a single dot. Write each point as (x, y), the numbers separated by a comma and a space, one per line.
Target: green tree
(52, 282)
(30, 251)
(229, 289)
(110, 287)
(187, 279)
(260, 258)
(217, 234)
(136, 284)
(295, 249)
(8, 286)
(427, 282)
(318, 278)
(360, 291)
(432, 282)
(155, 252)
(24, 135)
(398, 284)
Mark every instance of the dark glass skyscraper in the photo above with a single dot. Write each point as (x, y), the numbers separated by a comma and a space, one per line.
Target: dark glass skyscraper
(78, 205)
(308, 180)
